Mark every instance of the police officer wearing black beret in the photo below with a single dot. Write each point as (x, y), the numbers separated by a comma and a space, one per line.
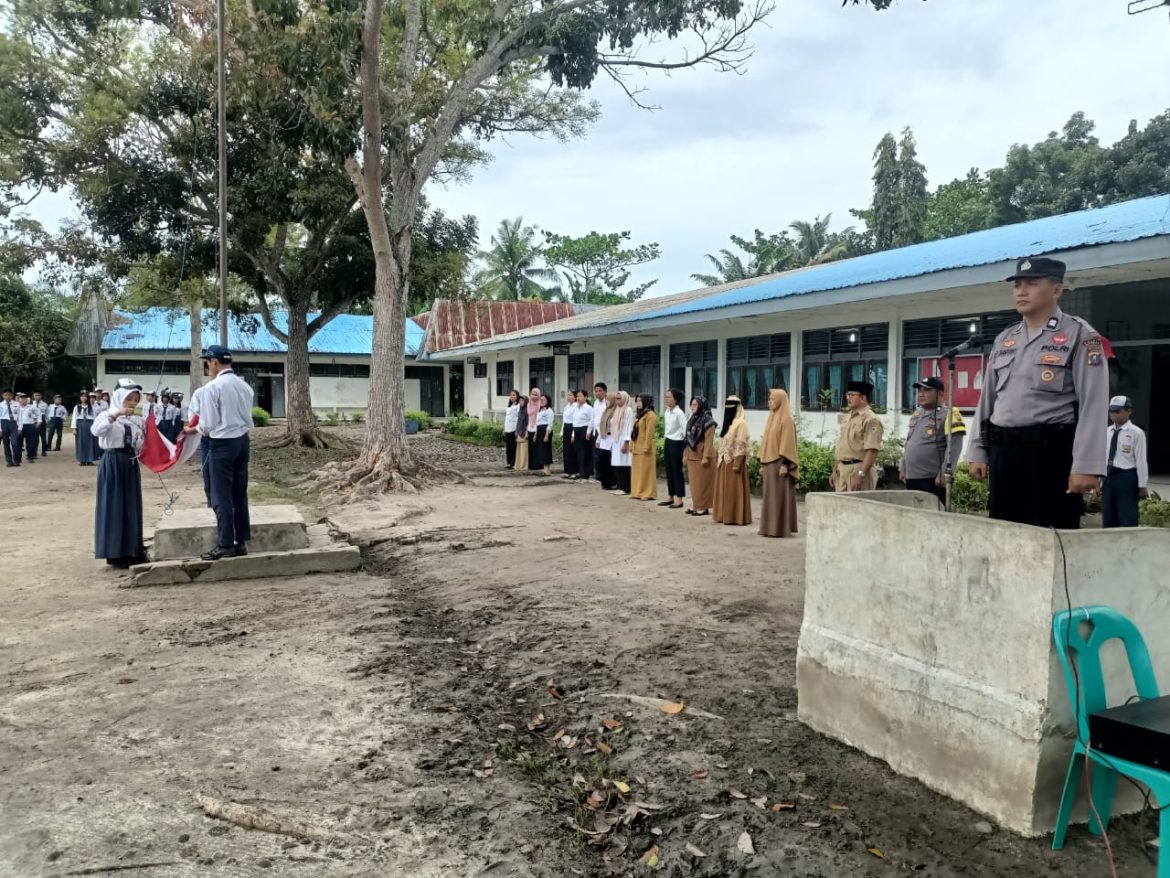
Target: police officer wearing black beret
(1037, 435)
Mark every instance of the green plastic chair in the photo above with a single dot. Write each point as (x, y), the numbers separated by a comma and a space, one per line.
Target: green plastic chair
(1106, 624)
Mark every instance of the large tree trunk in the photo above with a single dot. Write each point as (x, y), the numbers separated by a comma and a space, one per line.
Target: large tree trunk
(195, 313)
(302, 429)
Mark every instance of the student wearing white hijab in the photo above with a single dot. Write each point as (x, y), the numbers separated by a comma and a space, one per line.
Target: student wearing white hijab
(118, 518)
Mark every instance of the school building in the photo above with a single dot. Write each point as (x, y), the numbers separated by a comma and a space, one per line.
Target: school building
(886, 318)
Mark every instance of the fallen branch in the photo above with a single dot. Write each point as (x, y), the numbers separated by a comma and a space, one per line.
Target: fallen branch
(658, 703)
(103, 870)
(265, 821)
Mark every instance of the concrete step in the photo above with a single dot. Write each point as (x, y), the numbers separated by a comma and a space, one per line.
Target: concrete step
(256, 565)
(188, 533)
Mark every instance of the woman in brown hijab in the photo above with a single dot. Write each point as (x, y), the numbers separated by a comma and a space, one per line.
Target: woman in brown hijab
(778, 468)
(699, 456)
(733, 497)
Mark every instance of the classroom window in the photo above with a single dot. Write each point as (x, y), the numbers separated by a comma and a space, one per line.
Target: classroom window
(834, 357)
(703, 359)
(505, 377)
(757, 364)
(339, 370)
(581, 373)
(479, 370)
(148, 367)
(542, 374)
(640, 370)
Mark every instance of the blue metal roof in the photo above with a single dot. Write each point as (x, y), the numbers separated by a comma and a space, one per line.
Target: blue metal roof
(167, 329)
(1117, 223)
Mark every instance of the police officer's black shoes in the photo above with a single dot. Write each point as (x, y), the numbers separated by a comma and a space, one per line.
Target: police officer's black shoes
(219, 552)
(241, 550)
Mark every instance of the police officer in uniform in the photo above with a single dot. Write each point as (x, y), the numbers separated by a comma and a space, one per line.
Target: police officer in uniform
(1037, 434)
(859, 442)
(923, 464)
(1126, 469)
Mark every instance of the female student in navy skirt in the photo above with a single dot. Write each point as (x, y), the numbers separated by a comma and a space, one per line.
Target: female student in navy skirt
(84, 445)
(118, 519)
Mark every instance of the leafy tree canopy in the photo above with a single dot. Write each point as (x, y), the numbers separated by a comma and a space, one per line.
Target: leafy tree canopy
(597, 265)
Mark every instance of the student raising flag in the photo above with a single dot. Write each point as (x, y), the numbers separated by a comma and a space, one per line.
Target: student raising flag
(160, 454)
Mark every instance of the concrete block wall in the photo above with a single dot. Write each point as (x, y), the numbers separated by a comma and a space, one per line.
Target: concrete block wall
(926, 642)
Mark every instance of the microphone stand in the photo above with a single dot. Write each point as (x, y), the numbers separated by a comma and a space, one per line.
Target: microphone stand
(948, 425)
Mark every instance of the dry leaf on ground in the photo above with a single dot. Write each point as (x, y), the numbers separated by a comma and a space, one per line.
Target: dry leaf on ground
(710, 816)
(673, 706)
(736, 794)
(650, 858)
(694, 851)
(811, 824)
(700, 774)
(838, 807)
(783, 806)
(603, 747)
(877, 853)
(744, 844)
(611, 724)
(622, 786)
(761, 802)
(596, 800)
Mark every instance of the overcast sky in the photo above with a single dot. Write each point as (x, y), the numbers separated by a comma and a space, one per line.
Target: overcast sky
(793, 137)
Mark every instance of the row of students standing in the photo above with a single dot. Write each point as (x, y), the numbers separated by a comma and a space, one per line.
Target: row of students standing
(29, 427)
(528, 431)
(613, 440)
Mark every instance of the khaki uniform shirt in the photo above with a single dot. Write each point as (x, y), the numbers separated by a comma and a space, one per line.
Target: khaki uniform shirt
(861, 431)
(1059, 377)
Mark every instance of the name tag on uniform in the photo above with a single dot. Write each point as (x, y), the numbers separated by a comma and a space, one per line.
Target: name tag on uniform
(1126, 449)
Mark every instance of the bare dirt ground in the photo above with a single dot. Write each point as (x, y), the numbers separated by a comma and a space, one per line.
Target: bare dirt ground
(457, 709)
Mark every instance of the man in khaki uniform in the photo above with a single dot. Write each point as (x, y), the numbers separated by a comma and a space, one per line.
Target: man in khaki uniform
(859, 442)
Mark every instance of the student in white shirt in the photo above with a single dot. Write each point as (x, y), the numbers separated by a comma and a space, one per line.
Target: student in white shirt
(568, 452)
(84, 445)
(29, 423)
(55, 416)
(582, 445)
(225, 420)
(511, 414)
(544, 435)
(118, 518)
(621, 429)
(1126, 469)
(42, 407)
(604, 443)
(532, 409)
(9, 428)
(675, 423)
(599, 406)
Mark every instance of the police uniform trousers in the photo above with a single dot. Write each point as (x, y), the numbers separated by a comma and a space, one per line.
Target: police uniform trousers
(1119, 500)
(11, 432)
(846, 472)
(118, 517)
(928, 486)
(227, 465)
(1027, 470)
(204, 448)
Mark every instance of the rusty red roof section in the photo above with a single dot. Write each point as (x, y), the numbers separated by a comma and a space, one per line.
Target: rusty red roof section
(452, 323)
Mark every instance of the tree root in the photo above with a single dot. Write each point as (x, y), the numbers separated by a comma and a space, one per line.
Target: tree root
(308, 437)
(360, 480)
(265, 821)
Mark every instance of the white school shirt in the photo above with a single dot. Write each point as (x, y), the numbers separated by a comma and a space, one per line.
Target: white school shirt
(29, 416)
(42, 408)
(544, 417)
(225, 411)
(511, 414)
(81, 414)
(595, 423)
(9, 411)
(57, 411)
(1131, 450)
(622, 432)
(582, 415)
(676, 423)
(171, 413)
(111, 434)
(568, 414)
(101, 406)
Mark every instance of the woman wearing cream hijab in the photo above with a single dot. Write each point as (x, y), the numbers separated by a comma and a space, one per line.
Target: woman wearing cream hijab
(778, 468)
(733, 497)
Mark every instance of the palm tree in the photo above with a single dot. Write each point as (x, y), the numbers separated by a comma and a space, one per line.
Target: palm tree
(511, 269)
(815, 244)
(730, 267)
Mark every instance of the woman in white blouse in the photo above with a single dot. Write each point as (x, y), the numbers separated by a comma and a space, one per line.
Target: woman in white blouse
(544, 434)
(675, 421)
(568, 452)
(511, 413)
(582, 444)
(118, 518)
(621, 428)
(84, 445)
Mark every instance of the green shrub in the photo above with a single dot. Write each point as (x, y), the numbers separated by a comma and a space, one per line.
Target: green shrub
(260, 418)
(1154, 513)
(816, 465)
(487, 432)
(357, 417)
(423, 419)
(890, 452)
(461, 425)
(332, 419)
(968, 495)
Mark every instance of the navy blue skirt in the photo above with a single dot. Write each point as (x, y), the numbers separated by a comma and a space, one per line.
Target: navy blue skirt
(85, 446)
(118, 519)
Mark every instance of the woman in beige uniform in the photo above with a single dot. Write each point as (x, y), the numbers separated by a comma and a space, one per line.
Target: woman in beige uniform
(644, 481)
(778, 468)
(733, 496)
(699, 456)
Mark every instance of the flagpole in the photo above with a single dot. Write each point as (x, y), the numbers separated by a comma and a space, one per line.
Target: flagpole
(221, 91)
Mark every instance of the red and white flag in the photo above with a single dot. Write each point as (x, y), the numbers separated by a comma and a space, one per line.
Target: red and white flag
(159, 454)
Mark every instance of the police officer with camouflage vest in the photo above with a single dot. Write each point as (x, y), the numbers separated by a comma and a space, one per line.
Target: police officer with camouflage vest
(1038, 434)
(923, 465)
